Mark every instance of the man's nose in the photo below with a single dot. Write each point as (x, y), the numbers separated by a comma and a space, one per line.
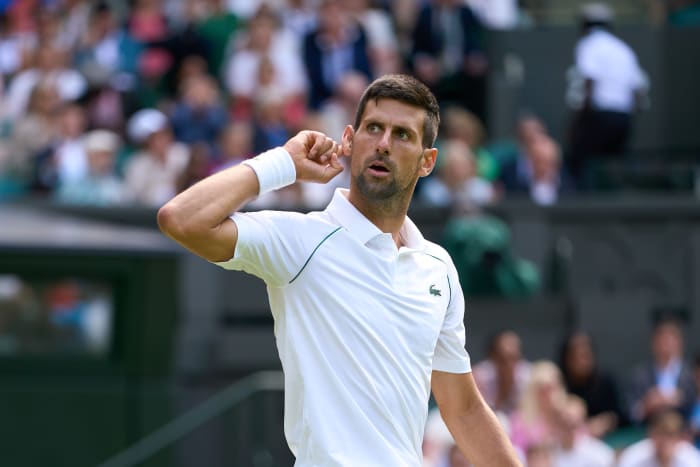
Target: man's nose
(384, 142)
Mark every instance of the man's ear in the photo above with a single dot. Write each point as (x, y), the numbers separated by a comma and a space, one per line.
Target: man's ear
(348, 135)
(429, 160)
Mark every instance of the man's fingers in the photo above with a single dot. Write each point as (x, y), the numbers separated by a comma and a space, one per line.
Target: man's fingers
(322, 147)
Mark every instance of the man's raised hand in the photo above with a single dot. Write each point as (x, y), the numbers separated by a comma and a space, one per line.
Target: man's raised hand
(315, 155)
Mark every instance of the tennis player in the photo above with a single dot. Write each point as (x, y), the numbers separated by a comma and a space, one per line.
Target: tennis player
(368, 314)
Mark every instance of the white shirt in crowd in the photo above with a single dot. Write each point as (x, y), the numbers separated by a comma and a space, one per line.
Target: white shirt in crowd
(360, 326)
(587, 451)
(612, 65)
(496, 14)
(641, 454)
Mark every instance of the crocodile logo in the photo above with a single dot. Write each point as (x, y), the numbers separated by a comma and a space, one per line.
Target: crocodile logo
(434, 291)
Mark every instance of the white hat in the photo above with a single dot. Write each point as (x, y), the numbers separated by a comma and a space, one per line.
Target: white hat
(146, 122)
(101, 140)
(598, 12)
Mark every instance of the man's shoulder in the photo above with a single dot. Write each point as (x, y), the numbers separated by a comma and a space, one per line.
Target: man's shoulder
(437, 251)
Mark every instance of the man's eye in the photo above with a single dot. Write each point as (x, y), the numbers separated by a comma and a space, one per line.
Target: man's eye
(403, 134)
(372, 127)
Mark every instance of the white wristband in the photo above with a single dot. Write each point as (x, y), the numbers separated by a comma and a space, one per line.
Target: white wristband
(274, 168)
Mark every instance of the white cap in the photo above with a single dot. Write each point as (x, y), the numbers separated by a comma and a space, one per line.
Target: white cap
(598, 12)
(146, 122)
(101, 140)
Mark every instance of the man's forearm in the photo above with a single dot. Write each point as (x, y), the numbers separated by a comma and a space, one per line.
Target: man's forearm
(481, 438)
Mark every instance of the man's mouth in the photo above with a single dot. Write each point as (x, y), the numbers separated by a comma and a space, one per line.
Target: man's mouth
(378, 168)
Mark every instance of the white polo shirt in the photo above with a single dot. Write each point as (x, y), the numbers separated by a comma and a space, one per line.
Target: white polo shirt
(360, 326)
(612, 65)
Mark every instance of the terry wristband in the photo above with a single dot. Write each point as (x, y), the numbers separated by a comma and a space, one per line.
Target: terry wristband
(274, 168)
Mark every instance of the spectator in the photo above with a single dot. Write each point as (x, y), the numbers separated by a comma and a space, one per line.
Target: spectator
(100, 185)
(666, 381)
(269, 125)
(605, 90)
(49, 64)
(299, 17)
(198, 116)
(535, 421)
(218, 28)
(336, 47)
(106, 53)
(32, 133)
(267, 59)
(16, 46)
(537, 172)
(584, 378)
(447, 54)
(665, 445)
(382, 44)
(456, 182)
(64, 160)
(464, 125)
(503, 376)
(575, 447)
(235, 144)
(151, 175)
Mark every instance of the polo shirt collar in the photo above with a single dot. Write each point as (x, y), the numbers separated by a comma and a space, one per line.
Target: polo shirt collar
(342, 210)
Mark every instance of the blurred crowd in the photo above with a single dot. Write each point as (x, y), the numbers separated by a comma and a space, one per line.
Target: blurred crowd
(574, 412)
(114, 102)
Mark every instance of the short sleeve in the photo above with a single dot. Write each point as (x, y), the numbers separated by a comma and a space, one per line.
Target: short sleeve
(269, 245)
(450, 353)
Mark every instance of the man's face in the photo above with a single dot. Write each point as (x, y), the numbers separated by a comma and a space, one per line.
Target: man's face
(387, 154)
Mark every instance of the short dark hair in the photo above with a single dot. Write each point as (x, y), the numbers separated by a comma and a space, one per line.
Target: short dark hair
(408, 90)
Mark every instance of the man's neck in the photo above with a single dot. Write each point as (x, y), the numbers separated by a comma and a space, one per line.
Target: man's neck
(388, 215)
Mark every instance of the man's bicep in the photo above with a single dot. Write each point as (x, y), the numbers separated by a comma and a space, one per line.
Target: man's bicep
(453, 392)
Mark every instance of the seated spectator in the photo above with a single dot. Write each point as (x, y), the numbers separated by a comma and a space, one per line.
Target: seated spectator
(100, 185)
(269, 125)
(32, 133)
(537, 173)
(382, 45)
(465, 126)
(219, 26)
(152, 173)
(456, 182)
(575, 447)
(597, 388)
(106, 54)
(503, 376)
(199, 116)
(265, 57)
(235, 145)
(49, 64)
(666, 381)
(64, 160)
(535, 421)
(664, 446)
(337, 46)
